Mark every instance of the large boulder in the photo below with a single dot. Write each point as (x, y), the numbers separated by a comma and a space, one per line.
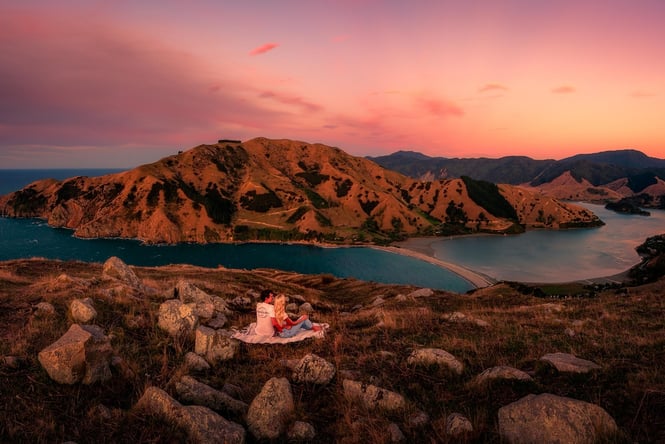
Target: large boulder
(202, 424)
(435, 356)
(82, 311)
(373, 397)
(271, 409)
(115, 269)
(205, 305)
(215, 345)
(313, 369)
(82, 354)
(194, 392)
(548, 418)
(177, 318)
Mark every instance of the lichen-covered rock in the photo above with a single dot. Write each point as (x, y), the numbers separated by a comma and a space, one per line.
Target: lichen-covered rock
(373, 397)
(115, 269)
(435, 356)
(270, 410)
(82, 354)
(548, 418)
(313, 369)
(82, 311)
(202, 424)
(215, 345)
(188, 293)
(177, 318)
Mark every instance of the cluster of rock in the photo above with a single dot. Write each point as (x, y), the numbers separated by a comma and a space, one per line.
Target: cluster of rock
(84, 355)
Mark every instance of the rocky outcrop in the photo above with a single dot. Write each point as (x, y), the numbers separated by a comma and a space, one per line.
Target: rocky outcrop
(553, 419)
(202, 424)
(82, 354)
(192, 391)
(176, 318)
(501, 372)
(115, 269)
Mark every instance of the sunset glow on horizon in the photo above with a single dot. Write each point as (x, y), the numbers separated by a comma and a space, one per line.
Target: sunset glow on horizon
(118, 84)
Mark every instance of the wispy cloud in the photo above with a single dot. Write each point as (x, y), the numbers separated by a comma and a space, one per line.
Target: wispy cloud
(439, 107)
(565, 89)
(492, 87)
(263, 49)
(642, 94)
(291, 100)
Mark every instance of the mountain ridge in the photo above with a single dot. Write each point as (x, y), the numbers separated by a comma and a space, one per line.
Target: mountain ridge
(635, 171)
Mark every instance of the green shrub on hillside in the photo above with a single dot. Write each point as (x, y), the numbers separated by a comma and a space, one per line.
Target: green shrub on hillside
(487, 195)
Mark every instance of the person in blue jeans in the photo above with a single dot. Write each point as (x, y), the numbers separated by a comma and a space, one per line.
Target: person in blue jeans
(284, 325)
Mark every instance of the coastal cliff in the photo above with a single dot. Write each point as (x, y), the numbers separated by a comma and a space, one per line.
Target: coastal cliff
(282, 190)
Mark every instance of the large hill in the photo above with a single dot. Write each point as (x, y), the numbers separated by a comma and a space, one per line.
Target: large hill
(281, 190)
(603, 176)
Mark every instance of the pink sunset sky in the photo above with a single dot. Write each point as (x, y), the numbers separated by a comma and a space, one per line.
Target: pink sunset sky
(121, 83)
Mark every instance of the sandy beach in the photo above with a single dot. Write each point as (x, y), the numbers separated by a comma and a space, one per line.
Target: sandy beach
(420, 248)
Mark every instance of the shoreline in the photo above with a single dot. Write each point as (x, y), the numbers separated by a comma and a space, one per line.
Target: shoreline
(419, 248)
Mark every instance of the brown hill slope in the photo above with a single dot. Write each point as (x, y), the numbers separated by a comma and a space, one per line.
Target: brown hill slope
(276, 190)
(620, 329)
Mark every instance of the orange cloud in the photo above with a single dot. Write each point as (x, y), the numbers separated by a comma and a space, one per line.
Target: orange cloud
(291, 100)
(439, 107)
(492, 87)
(564, 90)
(263, 49)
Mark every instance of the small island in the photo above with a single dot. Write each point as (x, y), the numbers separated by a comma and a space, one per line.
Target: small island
(626, 206)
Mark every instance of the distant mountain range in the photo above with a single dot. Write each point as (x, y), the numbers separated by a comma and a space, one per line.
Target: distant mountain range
(282, 190)
(607, 175)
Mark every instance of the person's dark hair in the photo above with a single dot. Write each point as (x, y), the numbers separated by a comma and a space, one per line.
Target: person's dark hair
(265, 294)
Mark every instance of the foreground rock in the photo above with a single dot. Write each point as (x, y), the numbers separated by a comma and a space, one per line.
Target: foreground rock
(313, 369)
(82, 311)
(435, 356)
(549, 418)
(194, 392)
(176, 318)
(82, 354)
(215, 345)
(501, 372)
(202, 424)
(373, 397)
(271, 409)
(116, 269)
(565, 362)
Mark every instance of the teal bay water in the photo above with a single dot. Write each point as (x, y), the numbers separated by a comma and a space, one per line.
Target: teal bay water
(24, 238)
(556, 256)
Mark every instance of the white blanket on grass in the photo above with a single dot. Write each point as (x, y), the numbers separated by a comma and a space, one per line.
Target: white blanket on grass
(250, 336)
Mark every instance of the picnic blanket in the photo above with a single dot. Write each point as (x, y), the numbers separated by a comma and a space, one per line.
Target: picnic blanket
(250, 336)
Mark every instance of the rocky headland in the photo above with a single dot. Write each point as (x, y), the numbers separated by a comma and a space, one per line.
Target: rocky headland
(282, 190)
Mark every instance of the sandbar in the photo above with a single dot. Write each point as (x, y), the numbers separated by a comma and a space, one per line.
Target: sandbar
(420, 248)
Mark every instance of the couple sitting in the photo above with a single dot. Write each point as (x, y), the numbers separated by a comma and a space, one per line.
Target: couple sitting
(271, 317)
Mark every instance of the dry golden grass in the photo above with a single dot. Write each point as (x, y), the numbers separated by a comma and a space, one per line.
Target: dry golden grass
(624, 333)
